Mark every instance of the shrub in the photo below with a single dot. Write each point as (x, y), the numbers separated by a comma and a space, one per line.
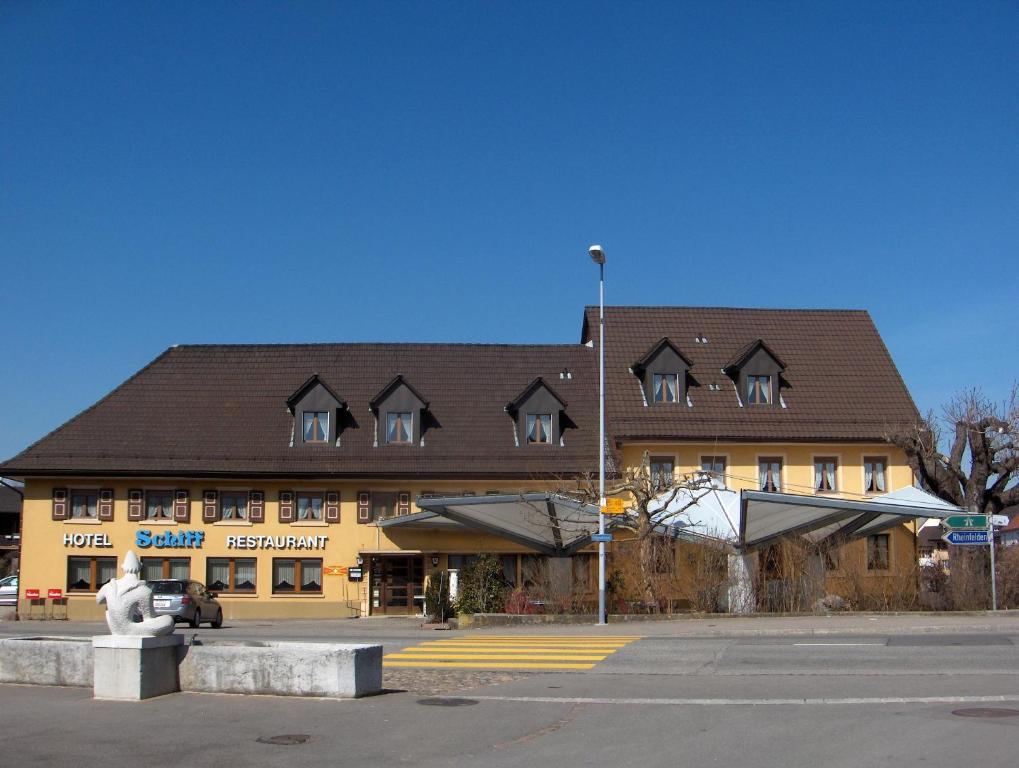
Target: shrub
(481, 588)
(437, 604)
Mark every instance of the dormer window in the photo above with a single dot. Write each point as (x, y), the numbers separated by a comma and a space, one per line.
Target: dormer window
(759, 390)
(666, 387)
(316, 410)
(756, 371)
(539, 428)
(539, 415)
(663, 373)
(399, 414)
(399, 427)
(316, 426)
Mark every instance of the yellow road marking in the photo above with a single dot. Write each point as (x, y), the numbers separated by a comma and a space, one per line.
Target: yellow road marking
(497, 649)
(495, 656)
(483, 665)
(508, 652)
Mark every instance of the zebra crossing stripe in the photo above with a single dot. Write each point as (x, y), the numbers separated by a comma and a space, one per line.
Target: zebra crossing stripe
(509, 652)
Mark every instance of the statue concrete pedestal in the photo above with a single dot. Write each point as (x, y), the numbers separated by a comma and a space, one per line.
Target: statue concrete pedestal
(131, 668)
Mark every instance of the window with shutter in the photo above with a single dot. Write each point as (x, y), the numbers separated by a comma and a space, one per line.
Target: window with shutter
(256, 506)
(59, 503)
(286, 505)
(135, 504)
(105, 504)
(364, 507)
(182, 505)
(210, 506)
(332, 507)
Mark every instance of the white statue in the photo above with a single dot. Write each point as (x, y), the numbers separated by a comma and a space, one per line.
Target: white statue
(129, 597)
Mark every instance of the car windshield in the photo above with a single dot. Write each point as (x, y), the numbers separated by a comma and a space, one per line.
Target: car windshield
(8, 580)
(167, 587)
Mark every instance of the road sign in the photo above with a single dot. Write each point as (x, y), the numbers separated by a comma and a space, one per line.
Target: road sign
(31, 594)
(614, 507)
(971, 538)
(965, 522)
(999, 520)
(606, 537)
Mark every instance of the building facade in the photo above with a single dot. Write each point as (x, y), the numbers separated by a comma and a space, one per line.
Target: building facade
(264, 470)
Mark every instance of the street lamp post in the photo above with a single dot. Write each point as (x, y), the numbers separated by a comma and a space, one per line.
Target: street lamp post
(598, 257)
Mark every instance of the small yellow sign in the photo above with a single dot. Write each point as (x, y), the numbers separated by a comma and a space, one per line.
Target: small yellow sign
(335, 570)
(614, 507)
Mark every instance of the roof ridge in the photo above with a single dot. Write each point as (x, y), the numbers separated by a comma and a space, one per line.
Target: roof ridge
(785, 310)
(405, 344)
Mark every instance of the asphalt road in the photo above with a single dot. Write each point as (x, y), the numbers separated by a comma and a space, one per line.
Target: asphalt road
(774, 692)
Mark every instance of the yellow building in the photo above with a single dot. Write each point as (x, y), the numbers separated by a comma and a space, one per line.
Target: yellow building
(264, 470)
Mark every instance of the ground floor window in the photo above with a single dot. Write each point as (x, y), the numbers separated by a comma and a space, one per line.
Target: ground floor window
(230, 574)
(877, 552)
(157, 568)
(296, 574)
(88, 574)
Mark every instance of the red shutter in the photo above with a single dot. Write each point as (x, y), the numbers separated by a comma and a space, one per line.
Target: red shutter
(286, 506)
(364, 506)
(210, 506)
(60, 503)
(256, 506)
(135, 504)
(182, 505)
(105, 511)
(403, 503)
(332, 506)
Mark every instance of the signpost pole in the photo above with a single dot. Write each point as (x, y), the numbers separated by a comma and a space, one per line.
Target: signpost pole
(994, 576)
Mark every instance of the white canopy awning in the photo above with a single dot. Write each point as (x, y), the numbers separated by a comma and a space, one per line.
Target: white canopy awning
(752, 519)
(550, 523)
(558, 525)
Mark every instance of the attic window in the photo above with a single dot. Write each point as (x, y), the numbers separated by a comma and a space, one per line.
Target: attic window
(666, 387)
(316, 426)
(400, 427)
(539, 428)
(759, 390)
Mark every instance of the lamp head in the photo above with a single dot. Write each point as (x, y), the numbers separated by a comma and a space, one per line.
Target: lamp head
(597, 254)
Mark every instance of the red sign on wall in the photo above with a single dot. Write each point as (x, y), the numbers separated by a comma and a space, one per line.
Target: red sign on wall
(31, 594)
(55, 594)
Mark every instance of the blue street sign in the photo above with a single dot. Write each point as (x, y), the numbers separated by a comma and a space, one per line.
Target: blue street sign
(597, 537)
(968, 537)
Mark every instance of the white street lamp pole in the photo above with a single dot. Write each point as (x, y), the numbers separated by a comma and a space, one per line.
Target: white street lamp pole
(598, 256)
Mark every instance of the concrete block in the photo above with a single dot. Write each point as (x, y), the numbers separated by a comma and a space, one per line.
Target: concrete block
(132, 668)
(281, 668)
(46, 661)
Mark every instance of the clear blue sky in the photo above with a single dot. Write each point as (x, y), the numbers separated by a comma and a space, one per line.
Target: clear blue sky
(282, 172)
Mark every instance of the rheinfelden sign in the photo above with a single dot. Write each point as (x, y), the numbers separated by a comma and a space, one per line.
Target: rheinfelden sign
(971, 538)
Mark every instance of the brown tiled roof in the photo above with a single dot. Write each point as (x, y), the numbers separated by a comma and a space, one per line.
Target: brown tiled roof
(223, 410)
(842, 383)
(1012, 513)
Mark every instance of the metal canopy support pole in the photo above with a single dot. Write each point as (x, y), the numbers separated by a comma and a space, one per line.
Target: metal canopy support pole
(602, 617)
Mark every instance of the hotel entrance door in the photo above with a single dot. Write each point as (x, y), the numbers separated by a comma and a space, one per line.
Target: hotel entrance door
(395, 581)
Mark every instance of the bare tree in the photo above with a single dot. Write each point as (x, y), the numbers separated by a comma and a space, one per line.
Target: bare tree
(980, 471)
(657, 504)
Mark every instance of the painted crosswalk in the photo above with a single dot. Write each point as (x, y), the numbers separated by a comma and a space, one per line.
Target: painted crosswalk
(510, 652)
